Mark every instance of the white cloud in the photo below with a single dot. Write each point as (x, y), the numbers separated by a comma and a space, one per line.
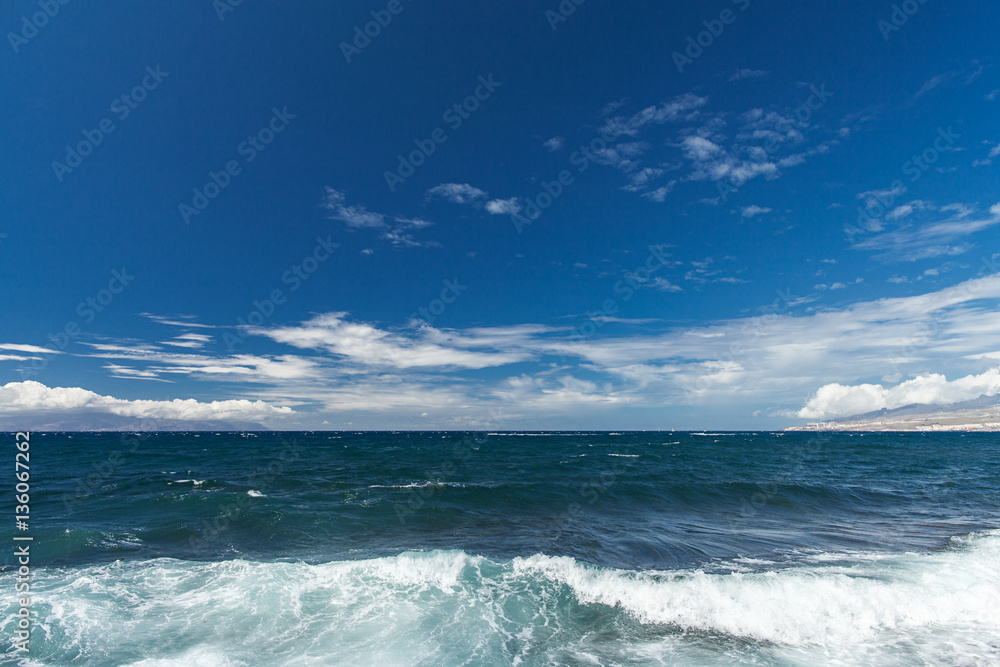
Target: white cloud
(899, 212)
(612, 107)
(457, 193)
(555, 143)
(189, 340)
(34, 397)
(559, 393)
(30, 349)
(641, 179)
(836, 400)
(177, 321)
(240, 367)
(934, 82)
(503, 206)
(398, 233)
(402, 239)
(711, 162)
(700, 149)
(129, 373)
(932, 239)
(754, 211)
(665, 285)
(873, 197)
(781, 356)
(684, 107)
(369, 346)
(623, 157)
(660, 193)
(355, 216)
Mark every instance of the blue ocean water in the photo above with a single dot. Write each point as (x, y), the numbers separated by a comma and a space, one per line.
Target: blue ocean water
(512, 549)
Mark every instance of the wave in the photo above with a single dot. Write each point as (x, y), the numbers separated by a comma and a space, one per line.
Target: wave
(424, 485)
(451, 608)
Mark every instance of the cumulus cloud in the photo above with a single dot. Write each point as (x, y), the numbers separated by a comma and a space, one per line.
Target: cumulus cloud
(754, 211)
(503, 206)
(34, 397)
(457, 193)
(837, 400)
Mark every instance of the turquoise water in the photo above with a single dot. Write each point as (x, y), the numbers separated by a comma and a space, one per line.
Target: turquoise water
(513, 548)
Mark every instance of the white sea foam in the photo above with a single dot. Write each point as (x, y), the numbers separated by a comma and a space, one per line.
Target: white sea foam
(450, 608)
(423, 485)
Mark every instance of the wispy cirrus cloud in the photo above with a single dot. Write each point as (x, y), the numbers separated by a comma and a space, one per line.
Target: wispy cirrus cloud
(533, 371)
(682, 108)
(156, 362)
(177, 320)
(929, 238)
(30, 349)
(365, 344)
(934, 82)
(744, 74)
(189, 340)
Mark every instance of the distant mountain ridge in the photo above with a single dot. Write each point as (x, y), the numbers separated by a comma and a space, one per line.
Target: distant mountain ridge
(80, 421)
(978, 414)
(983, 401)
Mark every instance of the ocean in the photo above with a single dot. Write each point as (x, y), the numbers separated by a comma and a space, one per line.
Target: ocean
(504, 548)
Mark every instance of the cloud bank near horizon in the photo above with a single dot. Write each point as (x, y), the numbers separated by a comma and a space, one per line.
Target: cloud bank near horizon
(34, 397)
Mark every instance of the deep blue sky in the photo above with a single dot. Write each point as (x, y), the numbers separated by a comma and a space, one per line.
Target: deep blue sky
(704, 341)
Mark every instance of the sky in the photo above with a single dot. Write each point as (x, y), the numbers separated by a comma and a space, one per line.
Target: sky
(520, 215)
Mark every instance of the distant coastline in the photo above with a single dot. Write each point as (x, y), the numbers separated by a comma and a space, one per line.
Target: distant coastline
(974, 420)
